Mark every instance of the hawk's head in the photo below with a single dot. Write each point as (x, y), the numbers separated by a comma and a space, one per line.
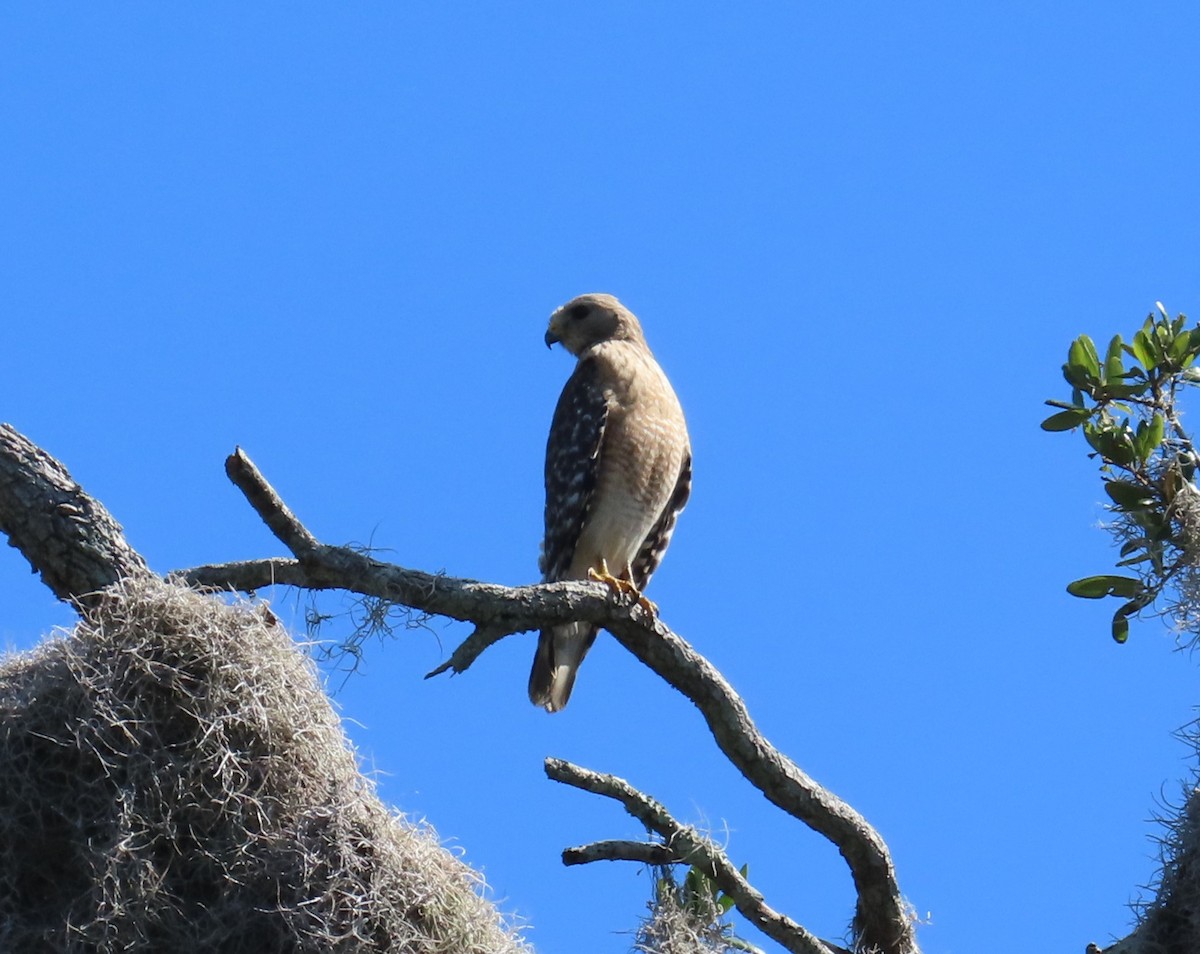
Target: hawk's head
(590, 319)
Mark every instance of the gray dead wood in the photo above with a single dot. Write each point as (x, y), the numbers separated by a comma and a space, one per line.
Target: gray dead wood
(882, 920)
(67, 536)
(652, 853)
(79, 548)
(694, 849)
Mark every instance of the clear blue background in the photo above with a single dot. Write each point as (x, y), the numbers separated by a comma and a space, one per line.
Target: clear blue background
(859, 236)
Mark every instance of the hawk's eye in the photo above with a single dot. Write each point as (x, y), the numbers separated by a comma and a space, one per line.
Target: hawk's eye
(575, 312)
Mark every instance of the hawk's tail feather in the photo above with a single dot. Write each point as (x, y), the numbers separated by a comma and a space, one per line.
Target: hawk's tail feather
(560, 651)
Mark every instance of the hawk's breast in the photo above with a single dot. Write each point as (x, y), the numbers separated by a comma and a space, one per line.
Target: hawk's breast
(643, 451)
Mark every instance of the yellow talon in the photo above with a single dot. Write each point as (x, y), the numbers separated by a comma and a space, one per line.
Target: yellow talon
(602, 575)
(619, 585)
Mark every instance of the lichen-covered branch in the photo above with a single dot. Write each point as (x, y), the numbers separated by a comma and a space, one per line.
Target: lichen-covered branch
(267, 503)
(79, 548)
(643, 852)
(67, 536)
(695, 849)
(882, 920)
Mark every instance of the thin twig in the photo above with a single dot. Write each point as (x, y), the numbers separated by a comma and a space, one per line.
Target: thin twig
(471, 649)
(693, 848)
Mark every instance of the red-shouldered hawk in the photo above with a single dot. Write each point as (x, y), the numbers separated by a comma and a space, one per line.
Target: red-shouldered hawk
(618, 472)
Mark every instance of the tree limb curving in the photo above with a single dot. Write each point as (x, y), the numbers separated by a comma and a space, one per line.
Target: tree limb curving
(692, 848)
(78, 548)
(882, 921)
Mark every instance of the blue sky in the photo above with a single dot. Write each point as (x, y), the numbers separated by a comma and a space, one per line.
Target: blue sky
(859, 236)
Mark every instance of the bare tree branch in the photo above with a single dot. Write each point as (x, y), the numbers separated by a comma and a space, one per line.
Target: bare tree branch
(267, 503)
(78, 548)
(67, 536)
(882, 920)
(471, 649)
(512, 608)
(695, 849)
(643, 852)
(245, 576)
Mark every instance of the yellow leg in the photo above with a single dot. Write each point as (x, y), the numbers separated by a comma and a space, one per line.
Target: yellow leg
(622, 584)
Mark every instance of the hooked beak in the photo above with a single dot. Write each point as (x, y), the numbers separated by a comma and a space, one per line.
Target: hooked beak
(552, 336)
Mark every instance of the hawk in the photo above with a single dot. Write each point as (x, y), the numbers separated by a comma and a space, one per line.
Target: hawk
(618, 473)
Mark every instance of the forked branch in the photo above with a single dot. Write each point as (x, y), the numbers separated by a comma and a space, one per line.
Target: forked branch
(78, 548)
(692, 848)
(882, 920)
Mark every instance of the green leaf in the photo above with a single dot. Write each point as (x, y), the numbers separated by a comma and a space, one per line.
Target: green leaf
(1120, 620)
(1097, 437)
(1131, 496)
(1154, 433)
(1123, 451)
(1119, 448)
(1142, 350)
(1089, 346)
(1132, 546)
(1114, 366)
(1098, 587)
(1066, 420)
(1180, 346)
(1120, 391)
(1163, 338)
(1083, 359)
(1142, 444)
(1077, 377)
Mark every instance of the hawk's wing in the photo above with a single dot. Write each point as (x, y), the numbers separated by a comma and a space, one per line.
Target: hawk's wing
(655, 545)
(572, 462)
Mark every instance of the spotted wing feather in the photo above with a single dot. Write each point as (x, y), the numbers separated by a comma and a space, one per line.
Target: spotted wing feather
(655, 545)
(572, 462)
